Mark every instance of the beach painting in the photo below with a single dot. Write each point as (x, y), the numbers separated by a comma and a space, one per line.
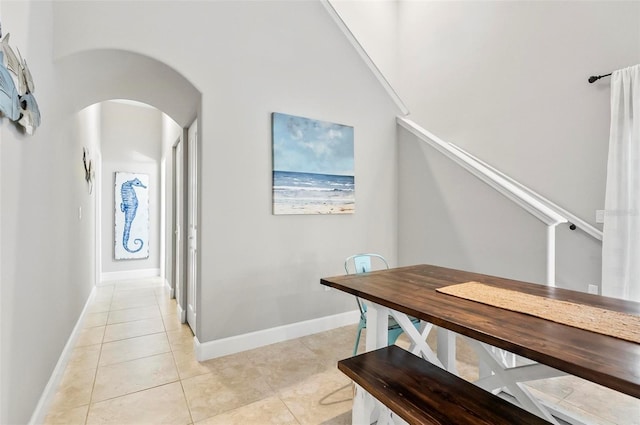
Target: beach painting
(313, 170)
(131, 216)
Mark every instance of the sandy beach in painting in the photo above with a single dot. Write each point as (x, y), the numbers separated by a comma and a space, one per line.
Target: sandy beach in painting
(306, 193)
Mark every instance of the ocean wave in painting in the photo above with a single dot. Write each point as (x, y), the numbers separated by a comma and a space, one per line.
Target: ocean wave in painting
(308, 193)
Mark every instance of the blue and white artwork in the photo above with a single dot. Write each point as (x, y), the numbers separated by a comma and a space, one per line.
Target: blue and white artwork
(313, 166)
(131, 216)
(17, 101)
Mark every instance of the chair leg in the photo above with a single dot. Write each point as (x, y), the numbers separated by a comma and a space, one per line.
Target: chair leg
(355, 347)
(393, 335)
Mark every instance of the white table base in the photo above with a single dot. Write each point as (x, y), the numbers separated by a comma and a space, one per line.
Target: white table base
(498, 370)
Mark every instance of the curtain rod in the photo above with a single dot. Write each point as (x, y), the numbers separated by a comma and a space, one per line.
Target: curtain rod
(595, 78)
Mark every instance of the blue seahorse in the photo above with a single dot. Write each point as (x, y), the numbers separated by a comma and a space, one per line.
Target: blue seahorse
(129, 206)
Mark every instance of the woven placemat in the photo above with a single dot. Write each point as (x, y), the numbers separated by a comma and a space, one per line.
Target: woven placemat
(620, 325)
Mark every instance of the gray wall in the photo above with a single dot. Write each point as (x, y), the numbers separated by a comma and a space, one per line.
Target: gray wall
(131, 141)
(375, 24)
(507, 81)
(453, 219)
(249, 59)
(171, 132)
(47, 251)
(246, 60)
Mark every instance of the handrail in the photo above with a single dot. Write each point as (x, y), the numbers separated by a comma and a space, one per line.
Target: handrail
(546, 211)
(363, 54)
(570, 217)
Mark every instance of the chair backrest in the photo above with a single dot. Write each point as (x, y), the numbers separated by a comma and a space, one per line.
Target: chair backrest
(362, 263)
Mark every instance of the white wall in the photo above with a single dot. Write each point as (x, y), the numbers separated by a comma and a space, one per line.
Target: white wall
(131, 139)
(46, 250)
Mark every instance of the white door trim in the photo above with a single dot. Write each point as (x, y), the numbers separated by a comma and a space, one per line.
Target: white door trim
(192, 226)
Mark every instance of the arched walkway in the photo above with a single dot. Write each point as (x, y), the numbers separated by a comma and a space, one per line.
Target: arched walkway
(104, 74)
(95, 76)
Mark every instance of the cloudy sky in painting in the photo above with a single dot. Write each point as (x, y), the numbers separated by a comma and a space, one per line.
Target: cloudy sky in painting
(311, 146)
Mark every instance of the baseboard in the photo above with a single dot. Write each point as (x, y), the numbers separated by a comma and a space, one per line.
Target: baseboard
(168, 288)
(235, 344)
(182, 313)
(129, 274)
(50, 389)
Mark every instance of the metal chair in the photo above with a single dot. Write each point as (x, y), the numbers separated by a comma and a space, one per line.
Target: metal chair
(362, 263)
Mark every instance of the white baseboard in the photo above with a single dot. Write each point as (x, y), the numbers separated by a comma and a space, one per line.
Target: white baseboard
(50, 389)
(235, 344)
(182, 313)
(169, 289)
(129, 274)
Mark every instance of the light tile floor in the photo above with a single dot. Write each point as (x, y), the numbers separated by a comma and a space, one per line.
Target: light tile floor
(134, 364)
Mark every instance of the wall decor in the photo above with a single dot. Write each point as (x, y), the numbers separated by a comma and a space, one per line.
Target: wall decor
(89, 173)
(131, 215)
(17, 101)
(313, 166)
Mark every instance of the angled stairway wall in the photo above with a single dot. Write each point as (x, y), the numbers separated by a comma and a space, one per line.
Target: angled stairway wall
(483, 76)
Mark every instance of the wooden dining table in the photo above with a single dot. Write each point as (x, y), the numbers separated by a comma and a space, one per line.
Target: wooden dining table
(553, 348)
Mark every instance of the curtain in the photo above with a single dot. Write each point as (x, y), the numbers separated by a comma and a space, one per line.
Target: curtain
(621, 232)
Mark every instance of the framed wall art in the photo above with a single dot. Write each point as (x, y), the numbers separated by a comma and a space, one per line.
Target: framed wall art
(131, 216)
(313, 166)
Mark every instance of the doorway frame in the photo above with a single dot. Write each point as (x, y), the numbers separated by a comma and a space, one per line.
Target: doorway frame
(179, 182)
(192, 221)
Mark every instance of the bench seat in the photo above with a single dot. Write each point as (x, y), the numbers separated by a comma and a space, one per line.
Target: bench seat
(422, 393)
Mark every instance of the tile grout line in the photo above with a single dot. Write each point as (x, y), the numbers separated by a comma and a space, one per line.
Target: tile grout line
(175, 363)
(91, 401)
(186, 400)
(288, 409)
(95, 375)
(181, 380)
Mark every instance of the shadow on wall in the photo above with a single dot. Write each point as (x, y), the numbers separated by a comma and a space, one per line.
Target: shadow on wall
(451, 218)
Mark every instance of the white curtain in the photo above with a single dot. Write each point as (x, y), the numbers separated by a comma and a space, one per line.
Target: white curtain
(621, 236)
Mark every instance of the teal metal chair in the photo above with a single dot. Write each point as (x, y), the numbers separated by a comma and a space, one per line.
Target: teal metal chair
(364, 263)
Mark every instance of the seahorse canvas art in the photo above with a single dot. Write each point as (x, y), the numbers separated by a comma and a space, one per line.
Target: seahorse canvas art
(131, 216)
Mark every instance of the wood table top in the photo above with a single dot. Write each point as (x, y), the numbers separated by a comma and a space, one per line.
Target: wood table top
(606, 360)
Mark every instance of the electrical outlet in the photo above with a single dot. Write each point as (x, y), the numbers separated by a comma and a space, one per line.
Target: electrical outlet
(593, 289)
(599, 216)
(327, 288)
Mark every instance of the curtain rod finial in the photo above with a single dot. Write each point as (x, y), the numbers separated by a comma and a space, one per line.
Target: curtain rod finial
(595, 78)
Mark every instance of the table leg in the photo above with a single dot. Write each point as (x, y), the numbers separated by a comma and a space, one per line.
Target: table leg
(447, 349)
(377, 326)
(419, 345)
(510, 378)
(363, 407)
(368, 410)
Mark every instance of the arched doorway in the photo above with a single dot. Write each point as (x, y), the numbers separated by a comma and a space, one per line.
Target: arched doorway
(106, 74)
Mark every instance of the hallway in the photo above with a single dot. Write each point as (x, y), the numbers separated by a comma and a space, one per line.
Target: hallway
(134, 364)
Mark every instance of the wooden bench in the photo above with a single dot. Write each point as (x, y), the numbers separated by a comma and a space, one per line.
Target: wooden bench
(422, 393)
